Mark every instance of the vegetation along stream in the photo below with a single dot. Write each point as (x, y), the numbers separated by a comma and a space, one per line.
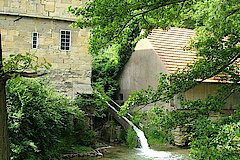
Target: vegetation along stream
(124, 153)
(142, 153)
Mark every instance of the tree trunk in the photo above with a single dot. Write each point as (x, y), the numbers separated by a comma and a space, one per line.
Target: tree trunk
(4, 137)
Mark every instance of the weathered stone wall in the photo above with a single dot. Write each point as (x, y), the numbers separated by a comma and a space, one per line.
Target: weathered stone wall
(180, 136)
(40, 8)
(71, 70)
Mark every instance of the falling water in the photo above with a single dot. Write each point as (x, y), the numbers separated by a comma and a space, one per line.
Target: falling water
(142, 138)
(145, 151)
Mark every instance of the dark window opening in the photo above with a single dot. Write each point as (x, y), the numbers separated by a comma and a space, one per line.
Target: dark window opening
(34, 40)
(65, 40)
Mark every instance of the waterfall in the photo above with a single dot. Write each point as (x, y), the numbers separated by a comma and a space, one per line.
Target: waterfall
(142, 138)
(140, 135)
(144, 151)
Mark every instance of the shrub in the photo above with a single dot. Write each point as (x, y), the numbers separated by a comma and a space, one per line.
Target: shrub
(84, 135)
(132, 140)
(213, 141)
(157, 136)
(158, 125)
(38, 118)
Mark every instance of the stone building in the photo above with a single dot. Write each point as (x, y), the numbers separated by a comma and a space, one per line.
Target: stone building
(42, 27)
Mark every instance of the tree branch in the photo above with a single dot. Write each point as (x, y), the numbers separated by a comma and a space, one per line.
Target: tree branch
(31, 74)
(144, 12)
(233, 12)
(24, 74)
(229, 94)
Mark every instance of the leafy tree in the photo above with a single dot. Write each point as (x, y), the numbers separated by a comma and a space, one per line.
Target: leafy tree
(17, 65)
(216, 23)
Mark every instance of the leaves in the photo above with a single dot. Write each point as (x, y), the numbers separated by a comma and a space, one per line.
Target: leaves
(37, 118)
(23, 65)
(216, 44)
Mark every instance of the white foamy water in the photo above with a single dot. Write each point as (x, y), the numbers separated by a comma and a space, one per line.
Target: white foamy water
(144, 153)
(148, 153)
(142, 138)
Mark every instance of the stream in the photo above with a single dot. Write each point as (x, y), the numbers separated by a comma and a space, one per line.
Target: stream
(124, 153)
(143, 153)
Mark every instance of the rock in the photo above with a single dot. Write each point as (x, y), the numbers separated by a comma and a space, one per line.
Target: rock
(99, 154)
(180, 136)
(95, 153)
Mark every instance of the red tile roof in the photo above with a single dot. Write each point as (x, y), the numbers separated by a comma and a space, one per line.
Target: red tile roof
(170, 44)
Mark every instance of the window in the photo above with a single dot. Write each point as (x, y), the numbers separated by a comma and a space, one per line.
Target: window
(34, 40)
(120, 96)
(65, 40)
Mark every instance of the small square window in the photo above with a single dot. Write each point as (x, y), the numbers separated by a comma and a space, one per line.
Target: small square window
(65, 41)
(120, 96)
(34, 40)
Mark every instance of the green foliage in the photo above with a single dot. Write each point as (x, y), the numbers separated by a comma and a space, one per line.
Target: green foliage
(209, 140)
(156, 136)
(93, 105)
(22, 65)
(123, 15)
(20, 62)
(158, 125)
(109, 61)
(38, 118)
(84, 135)
(105, 68)
(132, 140)
(216, 23)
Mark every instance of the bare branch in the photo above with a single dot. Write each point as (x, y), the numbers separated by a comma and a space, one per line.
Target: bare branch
(8, 75)
(31, 74)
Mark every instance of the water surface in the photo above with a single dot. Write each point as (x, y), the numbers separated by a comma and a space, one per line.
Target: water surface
(124, 153)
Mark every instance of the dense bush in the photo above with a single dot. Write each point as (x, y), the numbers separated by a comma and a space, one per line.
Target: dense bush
(84, 134)
(132, 139)
(208, 139)
(215, 140)
(38, 119)
(158, 124)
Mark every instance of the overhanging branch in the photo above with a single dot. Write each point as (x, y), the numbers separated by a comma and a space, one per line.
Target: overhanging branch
(160, 5)
(31, 74)
(8, 75)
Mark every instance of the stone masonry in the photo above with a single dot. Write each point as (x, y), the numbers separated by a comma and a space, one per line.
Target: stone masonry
(71, 69)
